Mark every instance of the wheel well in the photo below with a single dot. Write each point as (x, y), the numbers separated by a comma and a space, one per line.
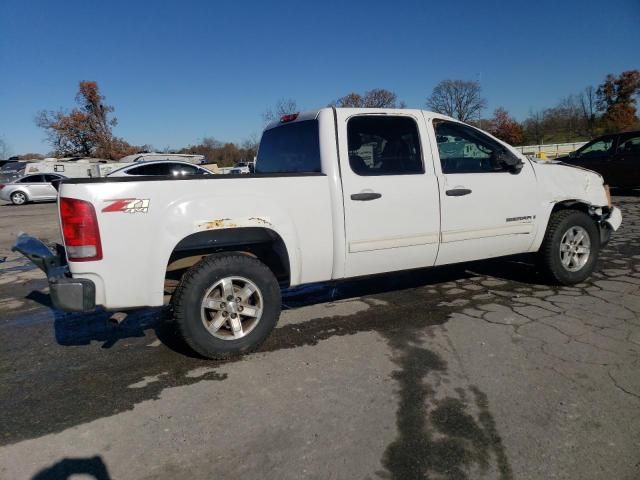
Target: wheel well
(572, 205)
(18, 190)
(261, 243)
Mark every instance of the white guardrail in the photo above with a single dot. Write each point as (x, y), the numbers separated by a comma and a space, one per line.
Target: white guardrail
(551, 150)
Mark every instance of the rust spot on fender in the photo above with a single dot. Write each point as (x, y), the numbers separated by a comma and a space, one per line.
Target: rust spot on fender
(260, 220)
(218, 223)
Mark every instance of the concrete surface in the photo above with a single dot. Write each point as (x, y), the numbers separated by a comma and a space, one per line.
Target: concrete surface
(475, 371)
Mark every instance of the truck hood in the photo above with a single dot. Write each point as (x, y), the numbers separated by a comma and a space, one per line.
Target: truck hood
(568, 182)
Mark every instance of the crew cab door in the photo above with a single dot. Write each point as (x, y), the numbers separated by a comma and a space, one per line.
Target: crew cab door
(392, 213)
(487, 209)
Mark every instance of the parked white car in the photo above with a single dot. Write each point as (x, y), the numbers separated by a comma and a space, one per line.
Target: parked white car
(32, 188)
(167, 168)
(336, 193)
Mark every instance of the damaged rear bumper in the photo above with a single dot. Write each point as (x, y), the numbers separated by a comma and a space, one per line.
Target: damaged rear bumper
(67, 293)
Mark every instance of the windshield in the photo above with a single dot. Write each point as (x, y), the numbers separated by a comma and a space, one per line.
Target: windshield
(290, 148)
(12, 167)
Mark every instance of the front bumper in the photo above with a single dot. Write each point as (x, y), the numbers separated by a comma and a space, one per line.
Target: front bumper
(614, 218)
(609, 223)
(67, 293)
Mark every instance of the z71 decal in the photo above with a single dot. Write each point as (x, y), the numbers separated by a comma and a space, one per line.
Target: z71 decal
(128, 205)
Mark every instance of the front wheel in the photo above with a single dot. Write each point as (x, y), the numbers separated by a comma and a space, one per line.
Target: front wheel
(570, 247)
(227, 305)
(18, 198)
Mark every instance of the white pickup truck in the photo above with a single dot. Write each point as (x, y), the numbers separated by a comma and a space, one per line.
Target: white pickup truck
(336, 193)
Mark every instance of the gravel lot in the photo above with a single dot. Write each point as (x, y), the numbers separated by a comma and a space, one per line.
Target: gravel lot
(475, 371)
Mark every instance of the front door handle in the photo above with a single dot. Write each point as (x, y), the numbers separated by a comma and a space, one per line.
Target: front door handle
(458, 192)
(365, 196)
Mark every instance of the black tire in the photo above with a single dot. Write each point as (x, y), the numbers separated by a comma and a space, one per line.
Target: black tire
(19, 198)
(549, 257)
(195, 284)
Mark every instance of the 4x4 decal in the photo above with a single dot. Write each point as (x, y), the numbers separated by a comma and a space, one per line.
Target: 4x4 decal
(128, 205)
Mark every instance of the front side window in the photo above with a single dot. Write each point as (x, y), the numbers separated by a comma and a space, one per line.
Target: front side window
(290, 148)
(464, 149)
(597, 148)
(384, 145)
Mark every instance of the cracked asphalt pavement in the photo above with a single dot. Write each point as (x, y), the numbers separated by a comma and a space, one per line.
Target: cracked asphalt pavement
(474, 371)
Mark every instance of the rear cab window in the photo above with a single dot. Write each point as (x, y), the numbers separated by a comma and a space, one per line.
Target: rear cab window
(290, 148)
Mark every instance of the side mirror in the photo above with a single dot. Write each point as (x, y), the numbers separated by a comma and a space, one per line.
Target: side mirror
(509, 161)
(573, 154)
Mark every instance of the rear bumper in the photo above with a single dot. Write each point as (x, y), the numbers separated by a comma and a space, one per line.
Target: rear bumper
(67, 293)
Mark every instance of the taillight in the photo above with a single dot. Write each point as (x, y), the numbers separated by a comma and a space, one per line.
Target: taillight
(80, 230)
(1, 186)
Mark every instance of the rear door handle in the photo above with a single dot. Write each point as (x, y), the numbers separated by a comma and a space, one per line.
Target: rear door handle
(365, 196)
(458, 192)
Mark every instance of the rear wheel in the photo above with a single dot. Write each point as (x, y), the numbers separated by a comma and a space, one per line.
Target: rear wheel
(227, 305)
(18, 198)
(570, 247)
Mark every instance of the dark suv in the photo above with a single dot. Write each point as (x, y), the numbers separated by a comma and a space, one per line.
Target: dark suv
(615, 157)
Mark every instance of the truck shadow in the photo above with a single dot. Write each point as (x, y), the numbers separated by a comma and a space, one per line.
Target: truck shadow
(76, 329)
(92, 467)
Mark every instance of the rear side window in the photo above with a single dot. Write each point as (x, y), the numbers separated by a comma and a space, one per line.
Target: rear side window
(152, 169)
(290, 148)
(384, 145)
(630, 145)
(181, 170)
(33, 179)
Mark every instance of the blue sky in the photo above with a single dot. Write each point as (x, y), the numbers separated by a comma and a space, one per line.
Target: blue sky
(177, 71)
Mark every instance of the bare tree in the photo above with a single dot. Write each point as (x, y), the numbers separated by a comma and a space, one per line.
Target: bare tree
(460, 99)
(284, 106)
(588, 105)
(376, 98)
(5, 151)
(534, 131)
(250, 146)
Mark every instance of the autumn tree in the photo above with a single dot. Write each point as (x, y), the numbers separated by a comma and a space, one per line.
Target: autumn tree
(375, 98)
(505, 127)
(86, 129)
(284, 106)
(617, 100)
(459, 99)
